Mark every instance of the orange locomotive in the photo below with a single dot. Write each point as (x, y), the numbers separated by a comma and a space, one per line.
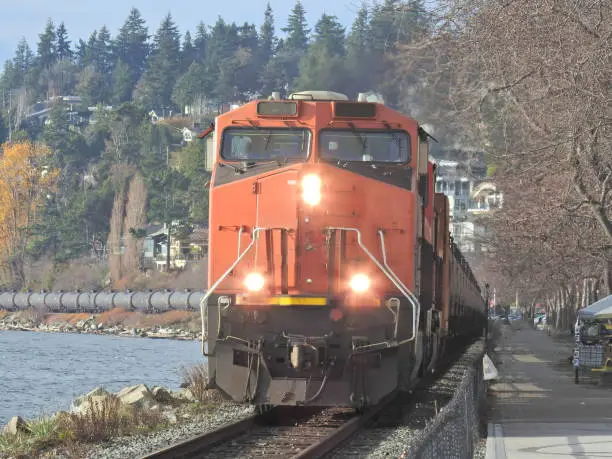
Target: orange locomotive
(332, 278)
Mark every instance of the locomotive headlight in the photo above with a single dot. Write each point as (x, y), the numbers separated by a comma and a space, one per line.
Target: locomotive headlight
(311, 189)
(254, 282)
(360, 283)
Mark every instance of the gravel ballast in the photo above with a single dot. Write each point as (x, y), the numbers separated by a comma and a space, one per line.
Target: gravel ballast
(392, 434)
(140, 445)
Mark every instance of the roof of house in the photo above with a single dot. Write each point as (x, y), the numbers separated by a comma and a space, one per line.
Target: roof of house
(199, 235)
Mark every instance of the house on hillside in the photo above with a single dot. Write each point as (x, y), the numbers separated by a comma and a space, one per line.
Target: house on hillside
(183, 249)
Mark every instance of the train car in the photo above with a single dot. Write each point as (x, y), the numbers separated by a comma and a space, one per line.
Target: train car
(332, 280)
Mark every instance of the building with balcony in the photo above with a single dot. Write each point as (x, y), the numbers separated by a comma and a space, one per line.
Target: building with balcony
(470, 195)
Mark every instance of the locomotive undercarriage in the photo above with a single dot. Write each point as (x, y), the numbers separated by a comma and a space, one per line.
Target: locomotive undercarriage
(299, 355)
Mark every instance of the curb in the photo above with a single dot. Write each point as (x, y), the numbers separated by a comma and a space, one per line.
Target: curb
(495, 442)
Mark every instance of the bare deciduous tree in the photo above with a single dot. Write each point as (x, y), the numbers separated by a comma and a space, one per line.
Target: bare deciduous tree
(135, 219)
(529, 82)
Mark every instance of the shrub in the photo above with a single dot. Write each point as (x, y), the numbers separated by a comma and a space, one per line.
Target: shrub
(100, 421)
(196, 380)
(106, 419)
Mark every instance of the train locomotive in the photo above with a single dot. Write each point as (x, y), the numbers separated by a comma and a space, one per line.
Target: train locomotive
(333, 279)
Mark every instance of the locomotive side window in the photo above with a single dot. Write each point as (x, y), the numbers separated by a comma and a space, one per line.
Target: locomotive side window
(265, 144)
(365, 145)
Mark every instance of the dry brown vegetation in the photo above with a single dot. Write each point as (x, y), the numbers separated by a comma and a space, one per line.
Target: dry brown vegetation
(196, 380)
(120, 316)
(528, 82)
(107, 419)
(71, 318)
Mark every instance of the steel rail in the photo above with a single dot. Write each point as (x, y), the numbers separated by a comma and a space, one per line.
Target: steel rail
(201, 444)
(336, 438)
(195, 446)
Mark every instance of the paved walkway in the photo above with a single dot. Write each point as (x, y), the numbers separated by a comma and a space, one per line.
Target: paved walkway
(537, 410)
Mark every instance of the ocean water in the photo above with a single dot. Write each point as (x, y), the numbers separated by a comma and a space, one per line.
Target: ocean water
(41, 373)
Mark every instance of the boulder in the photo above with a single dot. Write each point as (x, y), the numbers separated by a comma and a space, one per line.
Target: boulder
(16, 425)
(138, 395)
(184, 395)
(97, 392)
(96, 401)
(161, 395)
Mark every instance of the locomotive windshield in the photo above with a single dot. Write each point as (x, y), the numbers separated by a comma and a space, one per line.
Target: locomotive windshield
(265, 144)
(365, 146)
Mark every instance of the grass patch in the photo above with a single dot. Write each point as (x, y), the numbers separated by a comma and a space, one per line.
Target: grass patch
(43, 433)
(104, 419)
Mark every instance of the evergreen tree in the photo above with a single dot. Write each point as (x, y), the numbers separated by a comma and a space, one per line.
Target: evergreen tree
(329, 33)
(155, 88)
(188, 52)
(131, 45)
(272, 77)
(81, 52)
(167, 187)
(24, 58)
(122, 83)
(200, 43)
(63, 50)
(268, 40)
(91, 86)
(322, 70)
(359, 72)
(193, 167)
(88, 53)
(190, 86)
(296, 30)
(221, 47)
(247, 59)
(294, 46)
(18, 71)
(66, 142)
(103, 52)
(323, 65)
(391, 23)
(46, 49)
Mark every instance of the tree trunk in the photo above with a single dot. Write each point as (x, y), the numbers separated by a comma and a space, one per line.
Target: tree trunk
(607, 279)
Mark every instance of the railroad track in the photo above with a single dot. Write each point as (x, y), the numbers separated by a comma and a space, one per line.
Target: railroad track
(307, 432)
(283, 432)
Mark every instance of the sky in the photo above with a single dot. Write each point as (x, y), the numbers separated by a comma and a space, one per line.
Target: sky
(27, 18)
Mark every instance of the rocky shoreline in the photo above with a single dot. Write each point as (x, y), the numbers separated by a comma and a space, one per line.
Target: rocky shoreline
(92, 324)
(130, 422)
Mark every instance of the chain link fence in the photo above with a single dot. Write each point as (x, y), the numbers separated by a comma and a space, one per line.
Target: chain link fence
(454, 433)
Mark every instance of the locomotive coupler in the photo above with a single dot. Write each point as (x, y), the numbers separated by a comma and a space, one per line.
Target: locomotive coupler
(305, 353)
